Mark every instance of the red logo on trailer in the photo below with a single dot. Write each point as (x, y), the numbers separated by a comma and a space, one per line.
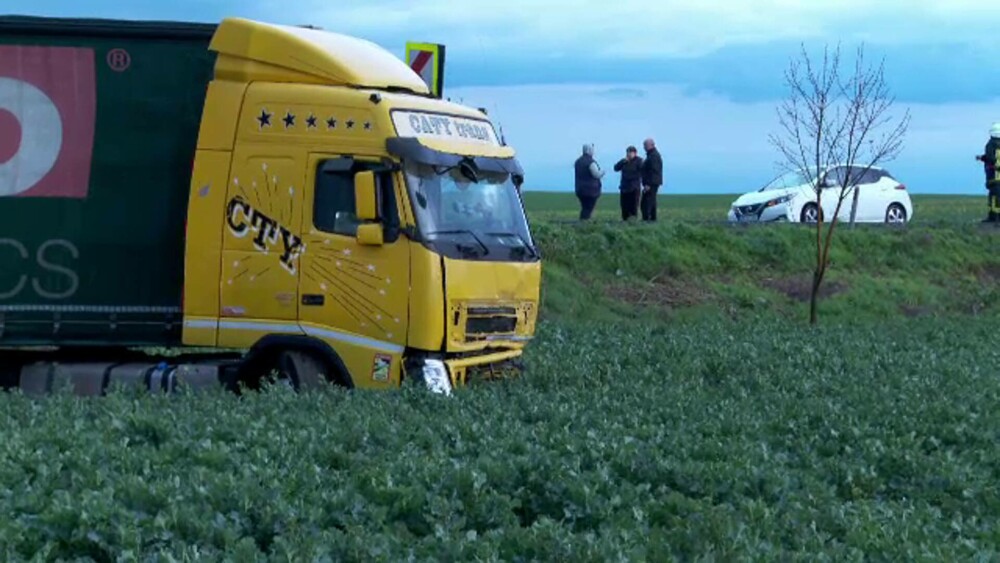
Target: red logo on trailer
(48, 108)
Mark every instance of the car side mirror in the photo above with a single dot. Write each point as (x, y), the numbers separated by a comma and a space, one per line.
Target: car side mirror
(365, 202)
(370, 234)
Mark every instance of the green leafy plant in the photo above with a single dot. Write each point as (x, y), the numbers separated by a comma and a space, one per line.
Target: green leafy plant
(626, 441)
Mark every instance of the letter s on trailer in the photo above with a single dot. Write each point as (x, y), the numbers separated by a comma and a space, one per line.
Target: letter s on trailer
(338, 221)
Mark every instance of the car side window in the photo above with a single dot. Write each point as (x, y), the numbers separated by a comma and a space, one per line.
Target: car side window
(838, 176)
(335, 207)
(867, 176)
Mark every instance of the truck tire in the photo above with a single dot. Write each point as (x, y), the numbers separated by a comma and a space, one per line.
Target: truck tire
(299, 370)
(303, 370)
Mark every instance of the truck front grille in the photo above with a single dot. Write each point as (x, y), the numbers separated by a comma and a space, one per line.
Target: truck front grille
(484, 326)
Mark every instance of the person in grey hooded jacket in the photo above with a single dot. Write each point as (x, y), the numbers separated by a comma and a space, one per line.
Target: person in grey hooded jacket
(588, 181)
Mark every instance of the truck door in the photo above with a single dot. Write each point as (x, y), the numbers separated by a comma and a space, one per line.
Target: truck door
(261, 248)
(354, 296)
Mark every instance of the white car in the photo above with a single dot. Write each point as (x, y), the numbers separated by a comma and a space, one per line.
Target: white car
(792, 198)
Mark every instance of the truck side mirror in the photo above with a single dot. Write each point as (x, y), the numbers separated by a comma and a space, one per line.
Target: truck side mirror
(370, 234)
(365, 202)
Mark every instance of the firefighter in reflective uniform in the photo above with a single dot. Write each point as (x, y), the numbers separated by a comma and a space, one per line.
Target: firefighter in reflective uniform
(990, 159)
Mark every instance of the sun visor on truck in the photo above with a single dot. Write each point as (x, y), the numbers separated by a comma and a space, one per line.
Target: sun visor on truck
(412, 148)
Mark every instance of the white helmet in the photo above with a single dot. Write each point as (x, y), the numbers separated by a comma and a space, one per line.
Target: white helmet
(995, 130)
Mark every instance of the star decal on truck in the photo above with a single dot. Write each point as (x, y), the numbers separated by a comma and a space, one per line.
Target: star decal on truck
(289, 120)
(264, 119)
(311, 121)
(350, 124)
(331, 123)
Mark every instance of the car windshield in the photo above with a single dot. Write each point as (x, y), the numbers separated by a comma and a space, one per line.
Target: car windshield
(484, 216)
(792, 180)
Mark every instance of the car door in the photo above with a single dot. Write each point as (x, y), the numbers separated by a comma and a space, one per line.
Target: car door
(872, 198)
(858, 184)
(885, 188)
(831, 186)
(863, 183)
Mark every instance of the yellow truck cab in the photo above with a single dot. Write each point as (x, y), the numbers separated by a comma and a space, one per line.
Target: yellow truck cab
(339, 223)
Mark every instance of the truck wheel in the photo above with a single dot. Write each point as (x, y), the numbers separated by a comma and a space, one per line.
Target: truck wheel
(298, 370)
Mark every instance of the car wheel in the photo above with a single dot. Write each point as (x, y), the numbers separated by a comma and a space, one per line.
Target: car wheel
(810, 213)
(895, 215)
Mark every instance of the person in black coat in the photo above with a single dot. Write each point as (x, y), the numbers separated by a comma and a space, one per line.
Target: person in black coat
(652, 179)
(631, 183)
(588, 176)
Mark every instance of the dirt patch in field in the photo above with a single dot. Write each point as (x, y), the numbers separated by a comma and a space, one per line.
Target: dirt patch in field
(914, 311)
(799, 288)
(987, 273)
(666, 293)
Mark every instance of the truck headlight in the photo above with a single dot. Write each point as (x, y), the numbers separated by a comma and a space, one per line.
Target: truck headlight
(436, 378)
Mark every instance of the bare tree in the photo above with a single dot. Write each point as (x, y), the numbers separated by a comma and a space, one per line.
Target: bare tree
(833, 130)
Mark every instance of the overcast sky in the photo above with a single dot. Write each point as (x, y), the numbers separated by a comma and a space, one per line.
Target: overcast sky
(701, 76)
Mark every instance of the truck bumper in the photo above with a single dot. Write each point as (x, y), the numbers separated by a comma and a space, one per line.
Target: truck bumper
(497, 365)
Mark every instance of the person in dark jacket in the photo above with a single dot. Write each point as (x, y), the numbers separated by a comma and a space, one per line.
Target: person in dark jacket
(631, 183)
(588, 181)
(652, 179)
(991, 164)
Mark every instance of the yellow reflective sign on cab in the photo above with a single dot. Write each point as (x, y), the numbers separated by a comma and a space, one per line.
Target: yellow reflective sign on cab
(427, 60)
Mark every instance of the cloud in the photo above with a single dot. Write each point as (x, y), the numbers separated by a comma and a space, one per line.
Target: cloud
(937, 52)
(630, 28)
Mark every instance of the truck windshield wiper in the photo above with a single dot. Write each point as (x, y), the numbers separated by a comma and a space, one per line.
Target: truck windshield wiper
(524, 242)
(486, 249)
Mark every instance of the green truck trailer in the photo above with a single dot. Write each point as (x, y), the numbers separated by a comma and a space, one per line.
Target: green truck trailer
(98, 128)
(100, 132)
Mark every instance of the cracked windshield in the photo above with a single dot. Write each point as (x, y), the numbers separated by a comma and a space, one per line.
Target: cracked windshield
(484, 215)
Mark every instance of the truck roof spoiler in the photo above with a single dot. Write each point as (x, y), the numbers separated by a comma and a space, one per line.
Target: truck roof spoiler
(410, 148)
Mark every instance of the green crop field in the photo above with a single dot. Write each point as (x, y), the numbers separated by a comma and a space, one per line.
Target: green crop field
(677, 406)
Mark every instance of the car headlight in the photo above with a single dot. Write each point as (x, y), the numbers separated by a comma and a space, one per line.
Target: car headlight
(779, 201)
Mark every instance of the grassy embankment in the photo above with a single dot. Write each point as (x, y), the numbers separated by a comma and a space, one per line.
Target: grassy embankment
(943, 263)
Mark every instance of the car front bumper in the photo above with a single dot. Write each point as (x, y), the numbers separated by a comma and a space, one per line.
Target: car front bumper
(759, 214)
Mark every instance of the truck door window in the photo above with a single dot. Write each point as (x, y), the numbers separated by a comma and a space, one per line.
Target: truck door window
(335, 209)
